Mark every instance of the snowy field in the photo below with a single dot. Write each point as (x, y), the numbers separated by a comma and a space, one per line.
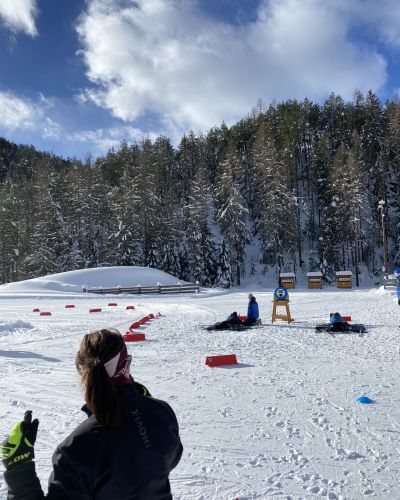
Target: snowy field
(284, 423)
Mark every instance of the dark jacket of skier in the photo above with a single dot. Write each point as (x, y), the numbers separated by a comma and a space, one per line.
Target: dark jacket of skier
(131, 461)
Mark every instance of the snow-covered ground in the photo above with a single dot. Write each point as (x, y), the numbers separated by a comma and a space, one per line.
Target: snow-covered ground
(284, 423)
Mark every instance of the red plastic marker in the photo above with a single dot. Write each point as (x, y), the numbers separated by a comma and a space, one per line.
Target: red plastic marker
(221, 360)
(133, 337)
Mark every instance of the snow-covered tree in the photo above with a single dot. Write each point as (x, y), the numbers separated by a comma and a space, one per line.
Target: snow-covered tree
(276, 219)
(199, 243)
(224, 270)
(232, 211)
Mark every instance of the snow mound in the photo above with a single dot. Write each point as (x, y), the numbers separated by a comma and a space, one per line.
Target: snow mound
(99, 277)
(10, 326)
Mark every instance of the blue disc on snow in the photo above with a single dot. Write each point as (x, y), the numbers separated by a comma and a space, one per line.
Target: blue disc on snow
(280, 293)
(397, 271)
(365, 400)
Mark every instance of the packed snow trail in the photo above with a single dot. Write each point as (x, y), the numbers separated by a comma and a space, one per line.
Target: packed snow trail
(283, 423)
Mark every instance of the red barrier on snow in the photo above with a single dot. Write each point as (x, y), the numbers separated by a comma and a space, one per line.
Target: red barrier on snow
(112, 304)
(221, 360)
(69, 306)
(36, 310)
(143, 320)
(133, 337)
(346, 318)
(130, 307)
(45, 313)
(136, 324)
(95, 310)
(151, 316)
(242, 318)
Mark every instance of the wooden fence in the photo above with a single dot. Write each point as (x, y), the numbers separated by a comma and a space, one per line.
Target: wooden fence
(389, 282)
(179, 288)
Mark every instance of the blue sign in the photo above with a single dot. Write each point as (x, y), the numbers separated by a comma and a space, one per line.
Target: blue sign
(280, 293)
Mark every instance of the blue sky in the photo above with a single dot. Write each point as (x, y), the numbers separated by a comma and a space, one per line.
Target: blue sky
(79, 76)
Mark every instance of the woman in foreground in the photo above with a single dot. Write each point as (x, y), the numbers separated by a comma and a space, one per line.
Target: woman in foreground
(124, 450)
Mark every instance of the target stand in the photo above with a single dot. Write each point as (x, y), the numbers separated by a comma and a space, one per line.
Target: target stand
(281, 299)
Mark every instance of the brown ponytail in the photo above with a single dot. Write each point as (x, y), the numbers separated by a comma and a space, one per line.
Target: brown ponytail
(97, 348)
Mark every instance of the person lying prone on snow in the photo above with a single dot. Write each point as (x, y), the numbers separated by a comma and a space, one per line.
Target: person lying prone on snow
(336, 322)
(232, 320)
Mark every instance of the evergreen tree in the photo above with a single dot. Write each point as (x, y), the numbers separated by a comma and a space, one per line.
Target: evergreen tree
(199, 243)
(276, 222)
(10, 240)
(232, 211)
(46, 240)
(124, 240)
(224, 270)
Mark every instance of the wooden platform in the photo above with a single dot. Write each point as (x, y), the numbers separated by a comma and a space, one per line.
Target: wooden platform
(275, 315)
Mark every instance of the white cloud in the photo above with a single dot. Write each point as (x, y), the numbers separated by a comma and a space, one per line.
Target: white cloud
(169, 58)
(51, 129)
(17, 113)
(102, 139)
(19, 15)
(380, 17)
(30, 118)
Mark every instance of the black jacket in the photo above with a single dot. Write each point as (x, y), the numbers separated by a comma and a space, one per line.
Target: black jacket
(100, 463)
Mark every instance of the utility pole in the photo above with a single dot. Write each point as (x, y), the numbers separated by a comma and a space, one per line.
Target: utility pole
(381, 206)
(356, 252)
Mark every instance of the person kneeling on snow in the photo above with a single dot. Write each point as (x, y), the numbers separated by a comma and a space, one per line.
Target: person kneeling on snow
(336, 322)
(253, 312)
(125, 449)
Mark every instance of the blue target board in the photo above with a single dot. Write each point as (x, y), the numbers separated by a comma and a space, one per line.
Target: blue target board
(280, 293)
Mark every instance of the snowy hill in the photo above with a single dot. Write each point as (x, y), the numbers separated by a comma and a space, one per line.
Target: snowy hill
(99, 277)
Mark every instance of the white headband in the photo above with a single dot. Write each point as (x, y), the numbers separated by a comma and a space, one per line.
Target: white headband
(111, 365)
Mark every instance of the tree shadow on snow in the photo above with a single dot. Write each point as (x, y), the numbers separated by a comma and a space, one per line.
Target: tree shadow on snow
(28, 354)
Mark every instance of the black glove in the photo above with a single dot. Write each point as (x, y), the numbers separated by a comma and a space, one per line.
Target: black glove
(18, 447)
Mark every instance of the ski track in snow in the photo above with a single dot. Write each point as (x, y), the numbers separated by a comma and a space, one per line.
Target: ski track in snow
(284, 423)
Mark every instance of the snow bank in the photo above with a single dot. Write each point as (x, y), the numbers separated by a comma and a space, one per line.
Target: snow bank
(99, 277)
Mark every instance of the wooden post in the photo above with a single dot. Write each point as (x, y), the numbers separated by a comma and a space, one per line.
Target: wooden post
(381, 205)
(285, 317)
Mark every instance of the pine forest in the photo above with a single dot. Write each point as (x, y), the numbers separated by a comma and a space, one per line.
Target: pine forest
(293, 186)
